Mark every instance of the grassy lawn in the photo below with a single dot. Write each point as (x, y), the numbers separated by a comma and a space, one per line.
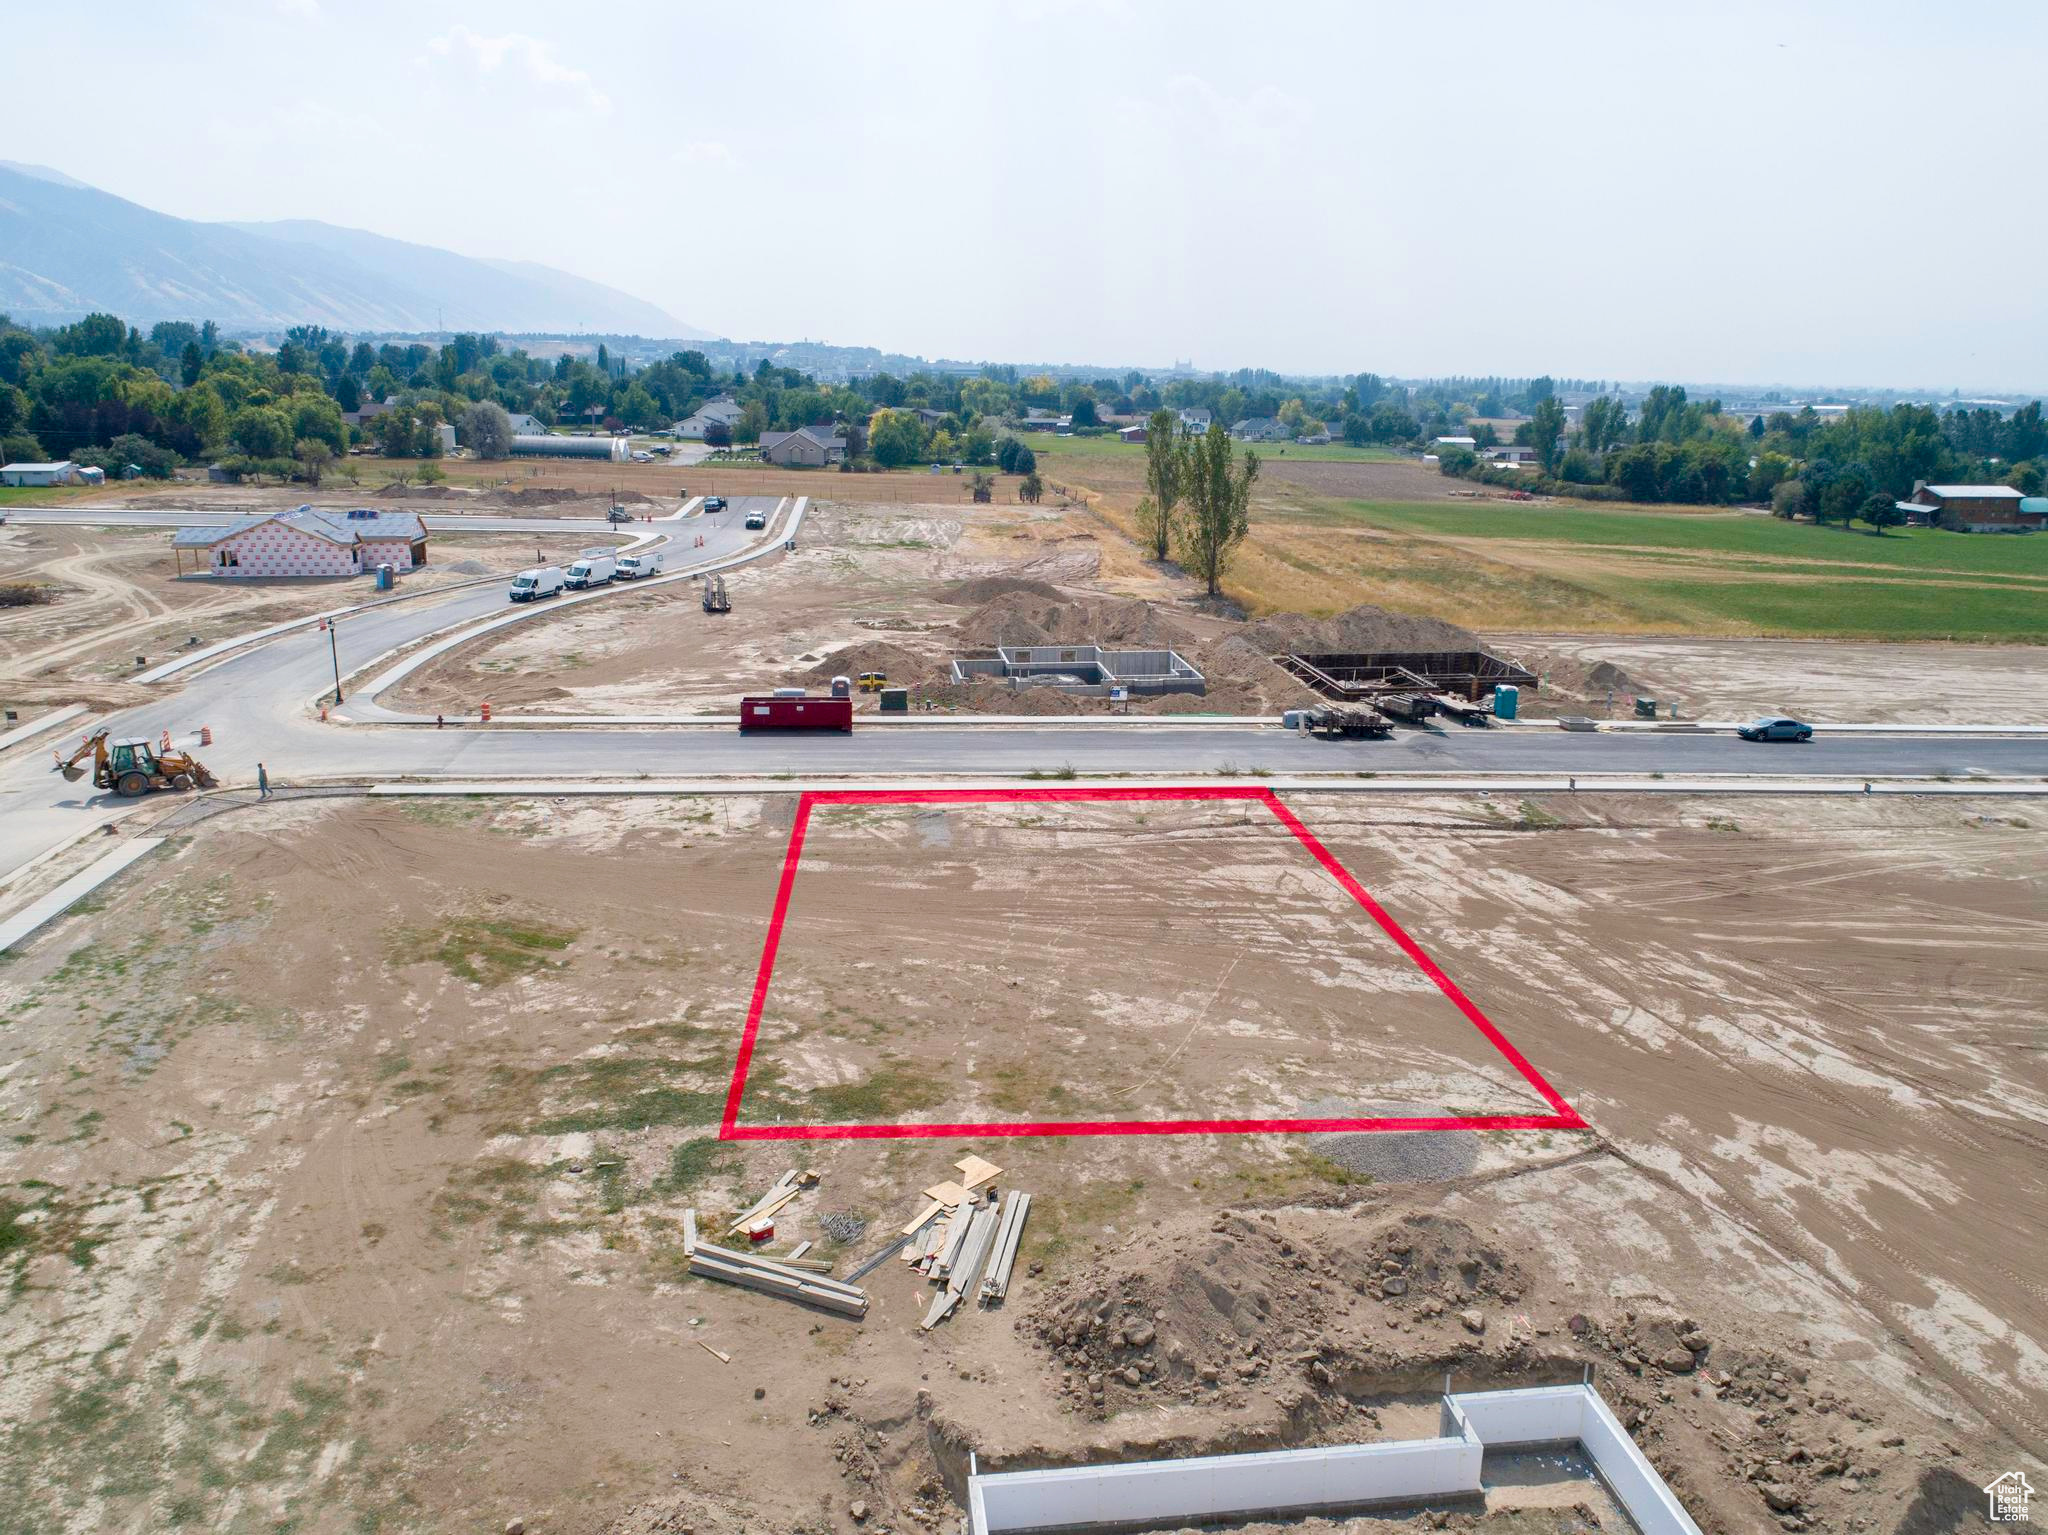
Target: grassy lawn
(45, 495)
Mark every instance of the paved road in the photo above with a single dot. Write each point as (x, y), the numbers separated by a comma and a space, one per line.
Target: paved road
(197, 517)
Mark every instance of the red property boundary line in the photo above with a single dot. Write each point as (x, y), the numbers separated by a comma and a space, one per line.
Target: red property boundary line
(730, 1129)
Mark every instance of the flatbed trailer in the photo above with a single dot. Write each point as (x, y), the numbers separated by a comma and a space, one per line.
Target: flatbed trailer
(1343, 723)
(715, 598)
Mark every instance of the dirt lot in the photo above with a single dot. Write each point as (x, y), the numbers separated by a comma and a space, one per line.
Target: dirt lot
(1815, 679)
(346, 1145)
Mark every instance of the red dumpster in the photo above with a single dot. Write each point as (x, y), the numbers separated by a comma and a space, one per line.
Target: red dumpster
(795, 714)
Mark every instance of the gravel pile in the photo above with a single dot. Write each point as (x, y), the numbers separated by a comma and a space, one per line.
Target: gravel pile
(1402, 1156)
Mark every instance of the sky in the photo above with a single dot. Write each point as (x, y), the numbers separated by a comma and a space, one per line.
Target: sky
(1802, 193)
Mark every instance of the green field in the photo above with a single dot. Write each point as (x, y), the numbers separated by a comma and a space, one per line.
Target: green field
(1717, 572)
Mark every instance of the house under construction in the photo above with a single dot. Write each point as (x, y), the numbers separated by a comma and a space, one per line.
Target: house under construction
(1367, 676)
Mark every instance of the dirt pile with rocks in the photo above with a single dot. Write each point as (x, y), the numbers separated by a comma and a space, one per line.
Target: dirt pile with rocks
(1245, 1302)
(1025, 618)
(981, 589)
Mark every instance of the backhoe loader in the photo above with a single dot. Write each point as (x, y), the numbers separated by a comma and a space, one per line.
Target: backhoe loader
(132, 768)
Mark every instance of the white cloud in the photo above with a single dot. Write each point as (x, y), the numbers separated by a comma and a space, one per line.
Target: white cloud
(706, 154)
(537, 58)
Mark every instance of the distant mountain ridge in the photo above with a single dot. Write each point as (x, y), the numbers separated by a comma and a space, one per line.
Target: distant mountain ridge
(67, 249)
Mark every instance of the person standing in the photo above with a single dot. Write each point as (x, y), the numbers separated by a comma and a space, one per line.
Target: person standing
(262, 782)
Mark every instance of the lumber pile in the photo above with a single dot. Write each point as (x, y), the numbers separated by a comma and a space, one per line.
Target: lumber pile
(964, 1238)
(801, 1279)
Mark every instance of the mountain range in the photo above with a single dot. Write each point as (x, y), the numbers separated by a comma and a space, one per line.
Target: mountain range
(68, 249)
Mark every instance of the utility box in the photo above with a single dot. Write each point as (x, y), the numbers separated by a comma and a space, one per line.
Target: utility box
(895, 700)
(1646, 708)
(795, 714)
(1507, 698)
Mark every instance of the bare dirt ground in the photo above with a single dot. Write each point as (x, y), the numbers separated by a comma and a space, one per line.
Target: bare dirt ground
(115, 595)
(346, 1143)
(1816, 679)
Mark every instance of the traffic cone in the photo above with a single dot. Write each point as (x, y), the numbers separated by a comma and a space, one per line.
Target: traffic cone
(486, 712)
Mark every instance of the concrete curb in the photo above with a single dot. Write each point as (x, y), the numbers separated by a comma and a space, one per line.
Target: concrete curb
(367, 694)
(541, 788)
(38, 725)
(34, 915)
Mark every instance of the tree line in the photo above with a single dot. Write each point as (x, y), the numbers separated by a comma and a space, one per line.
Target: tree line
(1839, 467)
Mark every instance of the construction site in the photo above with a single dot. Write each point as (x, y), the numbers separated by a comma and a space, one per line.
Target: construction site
(791, 1150)
(466, 1209)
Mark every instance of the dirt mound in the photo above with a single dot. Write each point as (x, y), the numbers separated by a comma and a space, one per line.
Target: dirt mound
(1023, 618)
(1362, 628)
(1247, 1301)
(903, 667)
(426, 493)
(972, 594)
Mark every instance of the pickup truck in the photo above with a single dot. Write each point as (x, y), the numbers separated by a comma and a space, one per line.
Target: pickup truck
(714, 503)
(757, 519)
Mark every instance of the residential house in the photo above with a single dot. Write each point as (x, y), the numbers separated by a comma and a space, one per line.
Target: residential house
(305, 542)
(1260, 429)
(1977, 508)
(1454, 442)
(1036, 420)
(1511, 453)
(62, 473)
(928, 416)
(1132, 433)
(1194, 420)
(524, 425)
(724, 411)
(369, 411)
(808, 447)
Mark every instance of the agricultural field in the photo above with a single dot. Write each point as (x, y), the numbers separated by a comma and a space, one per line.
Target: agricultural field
(375, 1224)
(1328, 536)
(1054, 450)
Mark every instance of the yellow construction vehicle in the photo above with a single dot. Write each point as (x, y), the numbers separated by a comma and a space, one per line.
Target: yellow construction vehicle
(133, 767)
(873, 682)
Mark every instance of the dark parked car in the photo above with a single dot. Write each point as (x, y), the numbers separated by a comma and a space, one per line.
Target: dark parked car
(714, 503)
(1775, 727)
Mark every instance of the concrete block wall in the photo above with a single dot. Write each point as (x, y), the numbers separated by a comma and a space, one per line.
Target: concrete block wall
(1286, 1483)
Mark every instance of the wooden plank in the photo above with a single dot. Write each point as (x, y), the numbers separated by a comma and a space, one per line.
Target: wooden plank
(716, 1353)
(975, 1172)
(689, 1232)
(931, 1208)
(800, 1249)
(948, 1193)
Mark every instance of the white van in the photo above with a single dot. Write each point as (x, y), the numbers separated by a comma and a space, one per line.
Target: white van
(595, 568)
(541, 581)
(633, 566)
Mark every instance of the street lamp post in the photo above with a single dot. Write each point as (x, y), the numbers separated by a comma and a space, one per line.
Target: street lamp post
(334, 655)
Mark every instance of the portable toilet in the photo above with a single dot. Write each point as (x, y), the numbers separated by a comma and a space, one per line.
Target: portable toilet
(383, 578)
(1506, 699)
(842, 687)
